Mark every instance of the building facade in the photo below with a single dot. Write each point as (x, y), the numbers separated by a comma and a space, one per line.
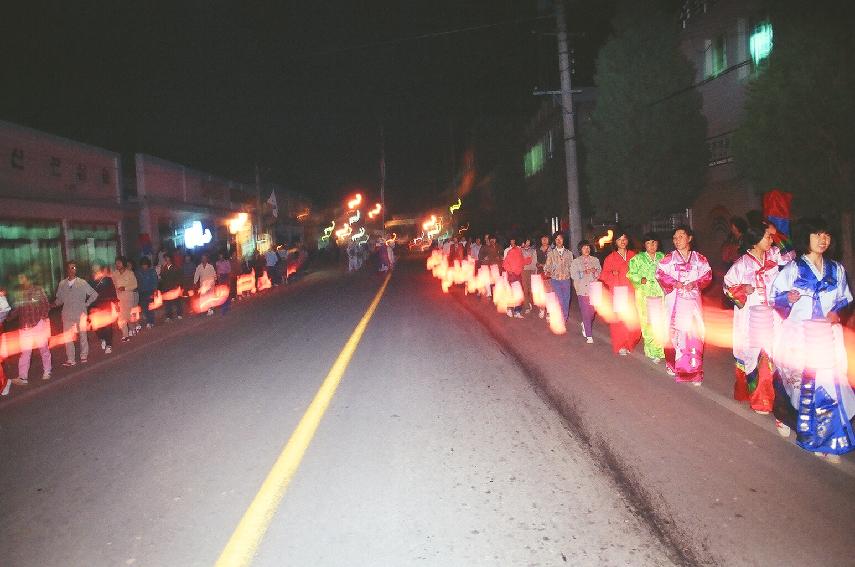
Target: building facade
(181, 209)
(544, 164)
(59, 200)
(727, 41)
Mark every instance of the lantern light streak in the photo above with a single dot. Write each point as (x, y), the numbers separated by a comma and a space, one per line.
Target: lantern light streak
(455, 206)
(303, 215)
(358, 234)
(344, 231)
(606, 239)
(237, 223)
(355, 202)
(375, 211)
(354, 219)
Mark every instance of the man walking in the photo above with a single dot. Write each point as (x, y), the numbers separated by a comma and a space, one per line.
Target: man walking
(74, 295)
(558, 268)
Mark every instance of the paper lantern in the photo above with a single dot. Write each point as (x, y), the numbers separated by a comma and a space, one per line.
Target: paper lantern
(760, 326)
(595, 293)
(819, 344)
(620, 300)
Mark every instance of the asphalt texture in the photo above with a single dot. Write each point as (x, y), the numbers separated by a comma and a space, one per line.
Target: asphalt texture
(437, 448)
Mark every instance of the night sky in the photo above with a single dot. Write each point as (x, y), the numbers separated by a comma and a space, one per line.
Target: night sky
(300, 87)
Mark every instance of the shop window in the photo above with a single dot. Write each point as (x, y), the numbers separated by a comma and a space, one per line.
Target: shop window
(92, 243)
(33, 248)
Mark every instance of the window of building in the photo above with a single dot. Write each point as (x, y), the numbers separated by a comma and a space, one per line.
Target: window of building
(720, 150)
(760, 41)
(715, 51)
(534, 160)
(34, 248)
(92, 243)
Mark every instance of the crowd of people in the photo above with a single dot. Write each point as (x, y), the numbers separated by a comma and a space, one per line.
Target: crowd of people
(787, 341)
(124, 297)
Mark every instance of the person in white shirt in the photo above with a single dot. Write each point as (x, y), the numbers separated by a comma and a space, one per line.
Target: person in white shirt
(474, 248)
(205, 278)
(74, 295)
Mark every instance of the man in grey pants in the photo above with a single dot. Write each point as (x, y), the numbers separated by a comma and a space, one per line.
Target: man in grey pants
(75, 296)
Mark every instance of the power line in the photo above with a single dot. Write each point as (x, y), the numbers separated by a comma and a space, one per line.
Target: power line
(429, 35)
(701, 83)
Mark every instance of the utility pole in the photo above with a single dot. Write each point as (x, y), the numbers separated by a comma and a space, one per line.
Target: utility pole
(383, 179)
(568, 114)
(259, 221)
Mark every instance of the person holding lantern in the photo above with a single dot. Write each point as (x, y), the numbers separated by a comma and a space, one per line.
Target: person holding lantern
(810, 354)
(747, 285)
(642, 274)
(624, 327)
(683, 274)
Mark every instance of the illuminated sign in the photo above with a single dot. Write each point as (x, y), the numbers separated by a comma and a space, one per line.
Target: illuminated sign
(195, 236)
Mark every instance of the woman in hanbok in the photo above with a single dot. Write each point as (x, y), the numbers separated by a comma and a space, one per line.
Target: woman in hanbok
(642, 274)
(810, 355)
(683, 274)
(747, 284)
(624, 326)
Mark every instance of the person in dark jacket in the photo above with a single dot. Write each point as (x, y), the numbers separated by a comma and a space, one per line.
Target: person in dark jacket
(101, 311)
(170, 284)
(146, 286)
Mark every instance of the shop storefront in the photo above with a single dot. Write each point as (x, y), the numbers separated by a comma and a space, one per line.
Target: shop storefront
(59, 200)
(33, 248)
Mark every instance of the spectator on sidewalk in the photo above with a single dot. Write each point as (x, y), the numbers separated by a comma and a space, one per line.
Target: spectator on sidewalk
(683, 274)
(170, 281)
(642, 274)
(224, 277)
(205, 279)
(32, 309)
(271, 260)
(557, 269)
(101, 310)
(624, 329)
(126, 289)
(584, 270)
(5, 384)
(74, 295)
(146, 287)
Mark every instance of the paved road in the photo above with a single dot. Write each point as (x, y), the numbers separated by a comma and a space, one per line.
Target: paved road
(439, 447)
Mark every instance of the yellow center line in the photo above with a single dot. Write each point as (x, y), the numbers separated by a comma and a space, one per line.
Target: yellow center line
(243, 544)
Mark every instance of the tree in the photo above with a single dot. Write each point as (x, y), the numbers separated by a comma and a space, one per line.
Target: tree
(798, 131)
(645, 147)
